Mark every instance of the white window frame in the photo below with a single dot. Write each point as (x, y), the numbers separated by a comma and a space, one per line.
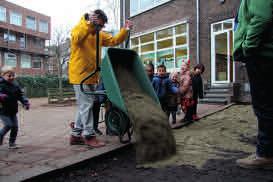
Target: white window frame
(43, 26)
(3, 14)
(29, 60)
(15, 18)
(140, 10)
(10, 37)
(174, 47)
(30, 24)
(213, 34)
(8, 54)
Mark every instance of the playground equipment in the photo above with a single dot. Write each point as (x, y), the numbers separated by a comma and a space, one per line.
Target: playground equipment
(116, 117)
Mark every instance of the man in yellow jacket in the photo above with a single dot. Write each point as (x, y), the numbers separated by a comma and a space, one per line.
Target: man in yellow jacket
(82, 63)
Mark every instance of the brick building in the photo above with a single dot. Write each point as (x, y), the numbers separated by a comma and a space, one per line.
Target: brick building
(23, 35)
(171, 31)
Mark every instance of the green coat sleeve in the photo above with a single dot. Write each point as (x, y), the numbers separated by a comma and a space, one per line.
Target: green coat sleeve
(261, 18)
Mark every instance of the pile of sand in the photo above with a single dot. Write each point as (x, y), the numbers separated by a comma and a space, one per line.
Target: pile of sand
(154, 137)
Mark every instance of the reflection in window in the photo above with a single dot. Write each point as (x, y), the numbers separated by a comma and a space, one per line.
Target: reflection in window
(181, 54)
(10, 59)
(164, 33)
(31, 23)
(147, 38)
(180, 29)
(134, 42)
(25, 61)
(181, 40)
(9, 37)
(168, 46)
(43, 26)
(37, 62)
(138, 6)
(3, 14)
(144, 4)
(147, 48)
(165, 44)
(148, 58)
(22, 41)
(15, 19)
(217, 27)
(165, 57)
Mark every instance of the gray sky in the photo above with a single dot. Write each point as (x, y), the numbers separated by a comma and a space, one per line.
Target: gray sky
(63, 12)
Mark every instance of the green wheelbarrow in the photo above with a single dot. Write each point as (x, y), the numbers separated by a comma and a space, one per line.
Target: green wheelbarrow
(116, 117)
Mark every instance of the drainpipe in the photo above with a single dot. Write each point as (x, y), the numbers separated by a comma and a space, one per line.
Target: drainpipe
(123, 17)
(197, 32)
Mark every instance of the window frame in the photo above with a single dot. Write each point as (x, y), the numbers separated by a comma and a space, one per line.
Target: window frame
(173, 37)
(41, 26)
(30, 62)
(34, 59)
(139, 9)
(6, 54)
(3, 11)
(30, 25)
(17, 16)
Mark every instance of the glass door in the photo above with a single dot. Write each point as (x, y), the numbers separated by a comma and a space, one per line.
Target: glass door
(222, 65)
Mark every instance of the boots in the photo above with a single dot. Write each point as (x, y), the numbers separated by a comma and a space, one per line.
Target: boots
(93, 142)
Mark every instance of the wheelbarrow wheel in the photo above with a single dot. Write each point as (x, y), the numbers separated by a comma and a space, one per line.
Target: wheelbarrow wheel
(118, 123)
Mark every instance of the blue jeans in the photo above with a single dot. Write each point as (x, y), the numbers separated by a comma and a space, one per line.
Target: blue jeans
(84, 122)
(260, 73)
(10, 123)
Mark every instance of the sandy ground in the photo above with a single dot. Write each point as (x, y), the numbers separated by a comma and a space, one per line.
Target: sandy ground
(207, 151)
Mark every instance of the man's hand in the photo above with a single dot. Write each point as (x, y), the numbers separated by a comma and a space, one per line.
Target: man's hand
(93, 18)
(128, 25)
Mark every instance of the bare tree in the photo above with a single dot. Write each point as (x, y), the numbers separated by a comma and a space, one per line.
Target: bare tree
(60, 51)
(113, 8)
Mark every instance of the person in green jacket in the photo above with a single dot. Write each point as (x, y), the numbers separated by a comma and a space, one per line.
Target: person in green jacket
(253, 45)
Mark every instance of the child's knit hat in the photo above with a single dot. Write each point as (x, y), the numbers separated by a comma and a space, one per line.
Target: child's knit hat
(7, 69)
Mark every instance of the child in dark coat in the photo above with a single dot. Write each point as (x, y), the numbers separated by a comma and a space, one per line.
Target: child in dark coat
(162, 85)
(197, 87)
(172, 99)
(10, 94)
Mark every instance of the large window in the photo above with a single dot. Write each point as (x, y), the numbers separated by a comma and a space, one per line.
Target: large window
(3, 13)
(37, 62)
(43, 26)
(10, 59)
(15, 18)
(22, 41)
(25, 61)
(9, 36)
(168, 46)
(138, 6)
(31, 23)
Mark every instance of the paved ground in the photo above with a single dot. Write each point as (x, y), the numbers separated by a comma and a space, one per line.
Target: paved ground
(44, 134)
(206, 152)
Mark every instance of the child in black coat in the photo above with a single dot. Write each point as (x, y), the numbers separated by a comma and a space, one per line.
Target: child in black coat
(10, 94)
(197, 87)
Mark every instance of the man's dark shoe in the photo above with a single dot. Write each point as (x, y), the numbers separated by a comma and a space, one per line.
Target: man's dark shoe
(98, 132)
(76, 140)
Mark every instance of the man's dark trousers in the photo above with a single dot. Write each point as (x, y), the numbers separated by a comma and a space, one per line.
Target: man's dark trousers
(260, 74)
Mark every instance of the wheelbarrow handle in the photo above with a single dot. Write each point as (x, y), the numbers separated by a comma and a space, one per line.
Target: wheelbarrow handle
(97, 28)
(128, 39)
